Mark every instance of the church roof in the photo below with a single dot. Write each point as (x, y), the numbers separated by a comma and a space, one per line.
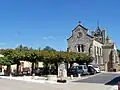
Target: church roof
(69, 37)
(80, 26)
(98, 29)
(87, 35)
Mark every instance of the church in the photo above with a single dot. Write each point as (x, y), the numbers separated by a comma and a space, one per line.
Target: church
(97, 44)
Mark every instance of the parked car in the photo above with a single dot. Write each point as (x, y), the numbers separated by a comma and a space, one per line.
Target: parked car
(26, 71)
(84, 68)
(81, 69)
(91, 70)
(41, 71)
(97, 69)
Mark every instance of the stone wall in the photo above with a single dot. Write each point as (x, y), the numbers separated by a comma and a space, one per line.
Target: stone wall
(74, 40)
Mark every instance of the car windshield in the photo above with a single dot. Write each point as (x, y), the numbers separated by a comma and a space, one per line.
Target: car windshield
(95, 66)
(80, 67)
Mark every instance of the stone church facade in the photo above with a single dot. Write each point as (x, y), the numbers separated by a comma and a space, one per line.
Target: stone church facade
(98, 45)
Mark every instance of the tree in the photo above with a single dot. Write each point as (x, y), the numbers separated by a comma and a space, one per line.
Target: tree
(5, 61)
(49, 56)
(8, 58)
(48, 48)
(83, 58)
(21, 47)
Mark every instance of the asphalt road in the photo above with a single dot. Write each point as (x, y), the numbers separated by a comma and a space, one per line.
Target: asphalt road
(103, 78)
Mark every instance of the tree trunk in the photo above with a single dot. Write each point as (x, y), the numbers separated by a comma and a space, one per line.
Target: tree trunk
(8, 69)
(71, 63)
(56, 65)
(32, 68)
(17, 71)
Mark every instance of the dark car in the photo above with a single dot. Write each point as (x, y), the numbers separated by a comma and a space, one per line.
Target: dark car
(41, 71)
(91, 70)
(75, 70)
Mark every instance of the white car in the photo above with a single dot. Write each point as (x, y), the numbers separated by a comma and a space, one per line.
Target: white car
(96, 68)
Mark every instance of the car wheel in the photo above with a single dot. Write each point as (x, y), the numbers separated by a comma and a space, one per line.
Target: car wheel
(95, 72)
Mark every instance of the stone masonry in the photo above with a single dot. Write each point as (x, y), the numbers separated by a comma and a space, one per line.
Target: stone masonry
(98, 45)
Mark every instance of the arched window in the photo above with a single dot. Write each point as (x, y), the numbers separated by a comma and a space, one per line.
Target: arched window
(82, 47)
(79, 48)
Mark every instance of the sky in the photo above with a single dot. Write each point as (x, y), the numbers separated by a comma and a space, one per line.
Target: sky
(40, 23)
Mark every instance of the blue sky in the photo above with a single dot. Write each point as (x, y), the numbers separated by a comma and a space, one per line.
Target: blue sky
(39, 23)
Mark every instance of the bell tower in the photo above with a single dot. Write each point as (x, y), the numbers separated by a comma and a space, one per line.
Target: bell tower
(99, 34)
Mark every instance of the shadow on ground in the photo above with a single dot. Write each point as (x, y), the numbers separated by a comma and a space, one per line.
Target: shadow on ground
(103, 78)
(113, 81)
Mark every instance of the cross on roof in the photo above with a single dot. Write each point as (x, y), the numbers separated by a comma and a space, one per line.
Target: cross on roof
(79, 22)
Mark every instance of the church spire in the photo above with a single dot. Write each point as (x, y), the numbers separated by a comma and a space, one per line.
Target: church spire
(98, 28)
(97, 23)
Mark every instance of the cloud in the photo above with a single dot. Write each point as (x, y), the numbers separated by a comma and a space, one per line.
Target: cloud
(49, 37)
(2, 43)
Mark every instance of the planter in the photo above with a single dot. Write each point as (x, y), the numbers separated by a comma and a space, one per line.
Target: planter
(52, 77)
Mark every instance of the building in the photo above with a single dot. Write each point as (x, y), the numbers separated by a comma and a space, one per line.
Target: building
(98, 45)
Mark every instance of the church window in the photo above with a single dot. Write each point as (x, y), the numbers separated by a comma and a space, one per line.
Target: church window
(82, 46)
(100, 52)
(95, 50)
(79, 35)
(79, 48)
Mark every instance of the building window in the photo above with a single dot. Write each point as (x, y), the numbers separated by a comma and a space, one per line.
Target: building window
(98, 50)
(95, 50)
(79, 48)
(82, 46)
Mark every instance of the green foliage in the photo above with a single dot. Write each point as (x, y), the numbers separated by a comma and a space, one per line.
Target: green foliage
(5, 61)
(48, 48)
(48, 56)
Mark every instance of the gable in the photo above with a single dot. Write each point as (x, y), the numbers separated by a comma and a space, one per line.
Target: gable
(79, 31)
(79, 27)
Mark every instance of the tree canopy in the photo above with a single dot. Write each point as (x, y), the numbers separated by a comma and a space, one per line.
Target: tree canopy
(47, 55)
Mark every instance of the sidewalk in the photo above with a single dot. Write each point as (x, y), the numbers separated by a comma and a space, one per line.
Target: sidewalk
(69, 83)
(114, 88)
(36, 79)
